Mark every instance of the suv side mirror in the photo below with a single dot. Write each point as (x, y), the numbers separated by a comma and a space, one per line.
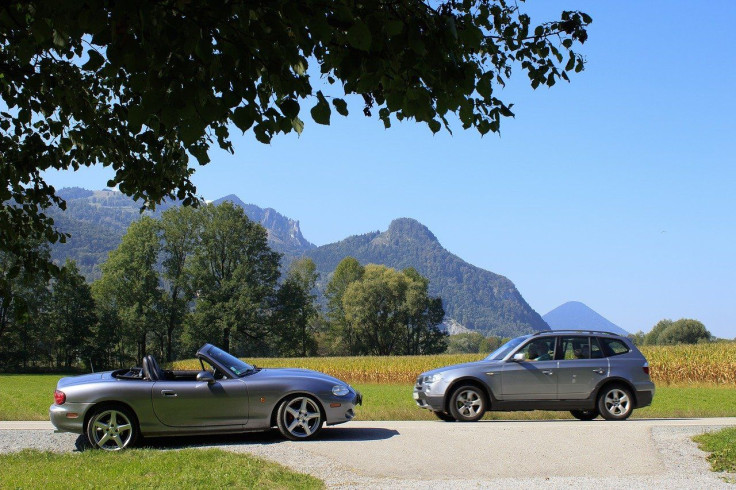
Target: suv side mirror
(519, 357)
(205, 376)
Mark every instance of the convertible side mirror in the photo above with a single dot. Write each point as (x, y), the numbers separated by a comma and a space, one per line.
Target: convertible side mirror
(519, 357)
(205, 376)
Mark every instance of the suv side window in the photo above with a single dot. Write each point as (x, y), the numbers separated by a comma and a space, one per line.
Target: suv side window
(541, 349)
(595, 348)
(614, 347)
(574, 347)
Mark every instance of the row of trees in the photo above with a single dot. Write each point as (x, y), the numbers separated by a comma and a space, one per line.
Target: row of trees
(208, 275)
(668, 332)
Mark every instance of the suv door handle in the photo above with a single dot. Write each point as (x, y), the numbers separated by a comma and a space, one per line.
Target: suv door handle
(547, 372)
(599, 371)
(168, 393)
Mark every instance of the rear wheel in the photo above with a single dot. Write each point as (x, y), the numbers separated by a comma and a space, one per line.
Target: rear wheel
(299, 418)
(615, 402)
(467, 404)
(585, 414)
(443, 416)
(112, 428)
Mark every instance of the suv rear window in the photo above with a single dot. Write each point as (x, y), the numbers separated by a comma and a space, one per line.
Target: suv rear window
(614, 347)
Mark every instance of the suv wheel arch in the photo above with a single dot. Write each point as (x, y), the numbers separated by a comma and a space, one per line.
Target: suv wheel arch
(616, 381)
(489, 398)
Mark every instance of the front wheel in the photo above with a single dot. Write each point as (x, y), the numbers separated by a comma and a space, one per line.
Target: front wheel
(467, 404)
(112, 428)
(299, 418)
(445, 417)
(585, 414)
(615, 402)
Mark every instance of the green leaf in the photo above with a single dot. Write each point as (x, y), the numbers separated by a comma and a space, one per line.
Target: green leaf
(136, 117)
(434, 125)
(243, 118)
(321, 112)
(96, 60)
(394, 27)
(298, 125)
(359, 36)
(290, 108)
(340, 106)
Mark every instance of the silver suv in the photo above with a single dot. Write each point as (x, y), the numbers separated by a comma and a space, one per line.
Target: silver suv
(589, 373)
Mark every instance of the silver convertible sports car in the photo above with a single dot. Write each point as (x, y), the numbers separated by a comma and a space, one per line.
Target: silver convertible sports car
(113, 409)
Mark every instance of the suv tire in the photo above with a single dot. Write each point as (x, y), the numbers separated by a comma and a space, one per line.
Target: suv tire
(467, 403)
(615, 402)
(585, 414)
(445, 417)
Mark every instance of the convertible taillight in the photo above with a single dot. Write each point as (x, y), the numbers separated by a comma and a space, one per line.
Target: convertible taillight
(59, 397)
(645, 367)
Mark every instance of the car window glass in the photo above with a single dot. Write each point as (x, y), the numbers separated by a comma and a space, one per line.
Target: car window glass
(576, 347)
(615, 347)
(539, 349)
(595, 348)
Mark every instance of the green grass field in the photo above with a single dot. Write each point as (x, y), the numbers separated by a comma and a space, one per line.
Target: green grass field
(147, 468)
(722, 448)
(27, 397)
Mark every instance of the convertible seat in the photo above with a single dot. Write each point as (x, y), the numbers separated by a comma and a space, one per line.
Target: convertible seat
(151, 369)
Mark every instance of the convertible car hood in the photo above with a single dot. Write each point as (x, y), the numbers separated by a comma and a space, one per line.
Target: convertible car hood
(84, 378)
(295, 373)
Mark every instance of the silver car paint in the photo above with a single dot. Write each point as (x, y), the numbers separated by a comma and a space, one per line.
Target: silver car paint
(515, 384)
(197, 407)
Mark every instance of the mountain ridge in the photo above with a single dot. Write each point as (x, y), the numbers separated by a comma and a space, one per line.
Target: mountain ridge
(473, 297)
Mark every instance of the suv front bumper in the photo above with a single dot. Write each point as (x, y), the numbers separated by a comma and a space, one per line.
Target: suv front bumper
(435, 403)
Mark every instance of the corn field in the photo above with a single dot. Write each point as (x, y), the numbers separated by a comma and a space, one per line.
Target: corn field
(680, 364)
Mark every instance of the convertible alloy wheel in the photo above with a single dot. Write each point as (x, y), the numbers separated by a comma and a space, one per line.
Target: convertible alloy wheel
(111, 429)
(299, 418)
(615, 403)
(467, 404)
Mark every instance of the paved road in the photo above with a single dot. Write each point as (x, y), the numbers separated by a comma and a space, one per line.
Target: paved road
(558, 454)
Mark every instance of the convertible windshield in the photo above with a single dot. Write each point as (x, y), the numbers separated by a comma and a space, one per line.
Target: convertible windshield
(503, 351)
(235, 365)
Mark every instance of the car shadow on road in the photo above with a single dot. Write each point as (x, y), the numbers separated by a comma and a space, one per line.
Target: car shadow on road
(257, 438)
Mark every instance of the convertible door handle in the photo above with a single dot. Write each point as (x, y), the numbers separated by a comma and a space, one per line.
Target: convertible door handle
(547, 372)
(599, 371)
(168, 393)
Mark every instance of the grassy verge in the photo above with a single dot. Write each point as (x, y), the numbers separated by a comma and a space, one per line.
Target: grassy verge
(722, 448)
(27, 397)
(146, 468)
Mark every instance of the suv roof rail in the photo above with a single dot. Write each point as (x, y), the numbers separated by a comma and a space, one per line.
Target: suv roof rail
(582, 330)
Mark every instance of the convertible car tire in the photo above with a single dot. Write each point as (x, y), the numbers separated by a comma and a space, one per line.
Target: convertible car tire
(299, 417)
(112, 428)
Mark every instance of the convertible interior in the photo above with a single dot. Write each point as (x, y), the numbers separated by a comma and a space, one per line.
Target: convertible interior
(151, 371)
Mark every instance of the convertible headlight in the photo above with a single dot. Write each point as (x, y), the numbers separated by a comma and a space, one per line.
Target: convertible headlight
(340, 390)
(432, 379)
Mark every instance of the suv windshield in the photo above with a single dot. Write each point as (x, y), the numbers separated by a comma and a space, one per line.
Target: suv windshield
(232, 363)
(503, 351)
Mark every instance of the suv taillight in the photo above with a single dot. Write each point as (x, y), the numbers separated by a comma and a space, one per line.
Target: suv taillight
(59, 397)
(645, 368)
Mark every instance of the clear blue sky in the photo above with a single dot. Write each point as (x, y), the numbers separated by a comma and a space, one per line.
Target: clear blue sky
(617, 190)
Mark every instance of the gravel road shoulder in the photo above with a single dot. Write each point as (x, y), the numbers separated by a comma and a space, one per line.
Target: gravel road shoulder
(556, 454)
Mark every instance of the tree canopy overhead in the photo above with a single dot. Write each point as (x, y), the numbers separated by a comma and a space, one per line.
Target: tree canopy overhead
(143, 86)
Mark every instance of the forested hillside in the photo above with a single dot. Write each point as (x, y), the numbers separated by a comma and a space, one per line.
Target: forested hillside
(97, 220)
(478, 299)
